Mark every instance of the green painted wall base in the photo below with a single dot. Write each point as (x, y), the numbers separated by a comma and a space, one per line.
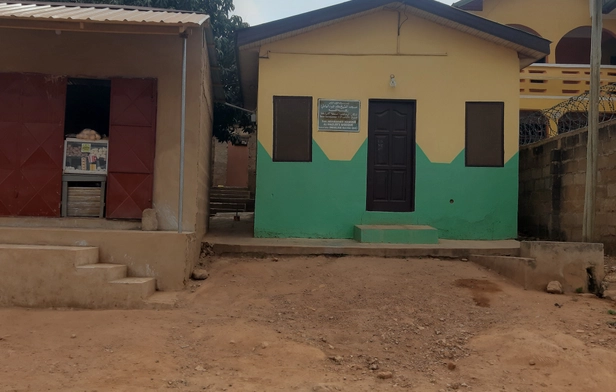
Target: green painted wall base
(396, 234)
(326, 199)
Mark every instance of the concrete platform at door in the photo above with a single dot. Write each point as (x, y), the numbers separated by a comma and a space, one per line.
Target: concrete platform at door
(229, 245)
(396, 234)
(69, 223)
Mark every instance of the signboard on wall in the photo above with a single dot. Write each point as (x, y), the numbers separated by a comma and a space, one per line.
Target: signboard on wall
(339, 115)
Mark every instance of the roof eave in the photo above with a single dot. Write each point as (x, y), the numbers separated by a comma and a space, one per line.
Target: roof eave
(257, 35)
(81, 17)
(609, 6)
(469, 5)
(98, 26)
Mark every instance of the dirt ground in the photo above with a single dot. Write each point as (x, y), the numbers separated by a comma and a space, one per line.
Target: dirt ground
(322, 324)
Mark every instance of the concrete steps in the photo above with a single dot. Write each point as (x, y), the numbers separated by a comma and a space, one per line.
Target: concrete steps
(64, 276)
(396, 234)
(106, 272)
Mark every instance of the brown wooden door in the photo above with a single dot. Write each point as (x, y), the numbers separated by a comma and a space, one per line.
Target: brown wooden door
(32, 142)
(391, 156)
(132, 144)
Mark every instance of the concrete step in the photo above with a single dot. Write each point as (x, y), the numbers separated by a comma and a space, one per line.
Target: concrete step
(517, 269)
(162, 300)
(69, 223)
(232, 205)
(65, 255)
(214, 211)
(234, 246)
(105, 272)
(229, 192)
(135, 288)
(396, 234)
(231, 200)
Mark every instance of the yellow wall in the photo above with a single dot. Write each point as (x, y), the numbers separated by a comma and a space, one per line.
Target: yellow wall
(439, 67)
(98, 55)
(552, 19)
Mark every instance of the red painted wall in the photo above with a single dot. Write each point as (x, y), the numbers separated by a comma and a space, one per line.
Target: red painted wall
(237, 166)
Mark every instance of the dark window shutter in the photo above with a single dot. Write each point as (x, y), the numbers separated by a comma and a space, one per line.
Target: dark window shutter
(485, 128)
(292, 129)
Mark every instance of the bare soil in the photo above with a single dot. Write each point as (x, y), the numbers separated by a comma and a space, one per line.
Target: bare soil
(322, 324)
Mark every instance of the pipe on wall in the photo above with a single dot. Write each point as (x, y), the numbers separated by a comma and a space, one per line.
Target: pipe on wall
(184, 37)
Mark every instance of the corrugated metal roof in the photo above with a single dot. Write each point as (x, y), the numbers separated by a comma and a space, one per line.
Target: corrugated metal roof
(98, 13)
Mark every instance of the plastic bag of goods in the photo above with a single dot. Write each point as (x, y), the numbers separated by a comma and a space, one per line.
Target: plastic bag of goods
(88, 134)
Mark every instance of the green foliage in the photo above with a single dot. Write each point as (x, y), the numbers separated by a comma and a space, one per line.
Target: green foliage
(226, 119)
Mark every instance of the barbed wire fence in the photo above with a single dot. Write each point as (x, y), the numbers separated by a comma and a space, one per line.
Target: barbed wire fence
(567, 116)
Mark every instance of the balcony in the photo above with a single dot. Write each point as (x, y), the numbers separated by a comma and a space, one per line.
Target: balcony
(543, 86)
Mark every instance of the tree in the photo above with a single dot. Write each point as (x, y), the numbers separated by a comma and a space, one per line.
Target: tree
(224, 26)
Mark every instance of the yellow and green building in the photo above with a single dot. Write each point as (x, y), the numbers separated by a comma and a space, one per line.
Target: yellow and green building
(386, 121)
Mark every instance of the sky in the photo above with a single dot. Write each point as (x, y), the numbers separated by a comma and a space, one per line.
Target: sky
(256, 12)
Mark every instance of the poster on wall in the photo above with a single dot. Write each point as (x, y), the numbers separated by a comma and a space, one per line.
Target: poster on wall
(338, 115)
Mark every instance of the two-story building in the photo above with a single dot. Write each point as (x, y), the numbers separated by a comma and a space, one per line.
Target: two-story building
(565, 73)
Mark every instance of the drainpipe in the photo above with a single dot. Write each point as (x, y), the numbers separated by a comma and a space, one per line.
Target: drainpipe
(184, 36)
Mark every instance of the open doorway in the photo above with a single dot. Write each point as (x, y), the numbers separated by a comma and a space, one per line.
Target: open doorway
(87, 106)
(86, 130)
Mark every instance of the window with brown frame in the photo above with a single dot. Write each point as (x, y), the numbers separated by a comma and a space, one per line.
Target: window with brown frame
(485, 127)
(292, 129)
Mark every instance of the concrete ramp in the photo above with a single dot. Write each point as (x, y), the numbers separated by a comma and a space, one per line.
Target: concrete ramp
(577, 266)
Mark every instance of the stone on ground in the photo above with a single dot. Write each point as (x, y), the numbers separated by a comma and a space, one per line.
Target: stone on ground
(385, 375)
(555, 287)
(149, 220)
(200, 274)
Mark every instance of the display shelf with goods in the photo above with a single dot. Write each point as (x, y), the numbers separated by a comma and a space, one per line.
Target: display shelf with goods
(85, 156)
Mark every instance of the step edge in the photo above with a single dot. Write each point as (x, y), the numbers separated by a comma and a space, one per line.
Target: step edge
(101, 266)
(131, 280)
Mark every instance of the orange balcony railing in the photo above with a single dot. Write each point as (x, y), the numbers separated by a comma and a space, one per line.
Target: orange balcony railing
(560, 81)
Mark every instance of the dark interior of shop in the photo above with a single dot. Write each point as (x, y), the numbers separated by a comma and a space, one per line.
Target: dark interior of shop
(87, 106)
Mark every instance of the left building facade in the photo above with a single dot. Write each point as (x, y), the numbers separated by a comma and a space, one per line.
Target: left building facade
(118, 71)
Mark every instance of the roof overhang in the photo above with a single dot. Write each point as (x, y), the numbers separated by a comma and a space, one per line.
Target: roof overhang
(96, 18)
(469, 5)
(529, 47)
(609, 6)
